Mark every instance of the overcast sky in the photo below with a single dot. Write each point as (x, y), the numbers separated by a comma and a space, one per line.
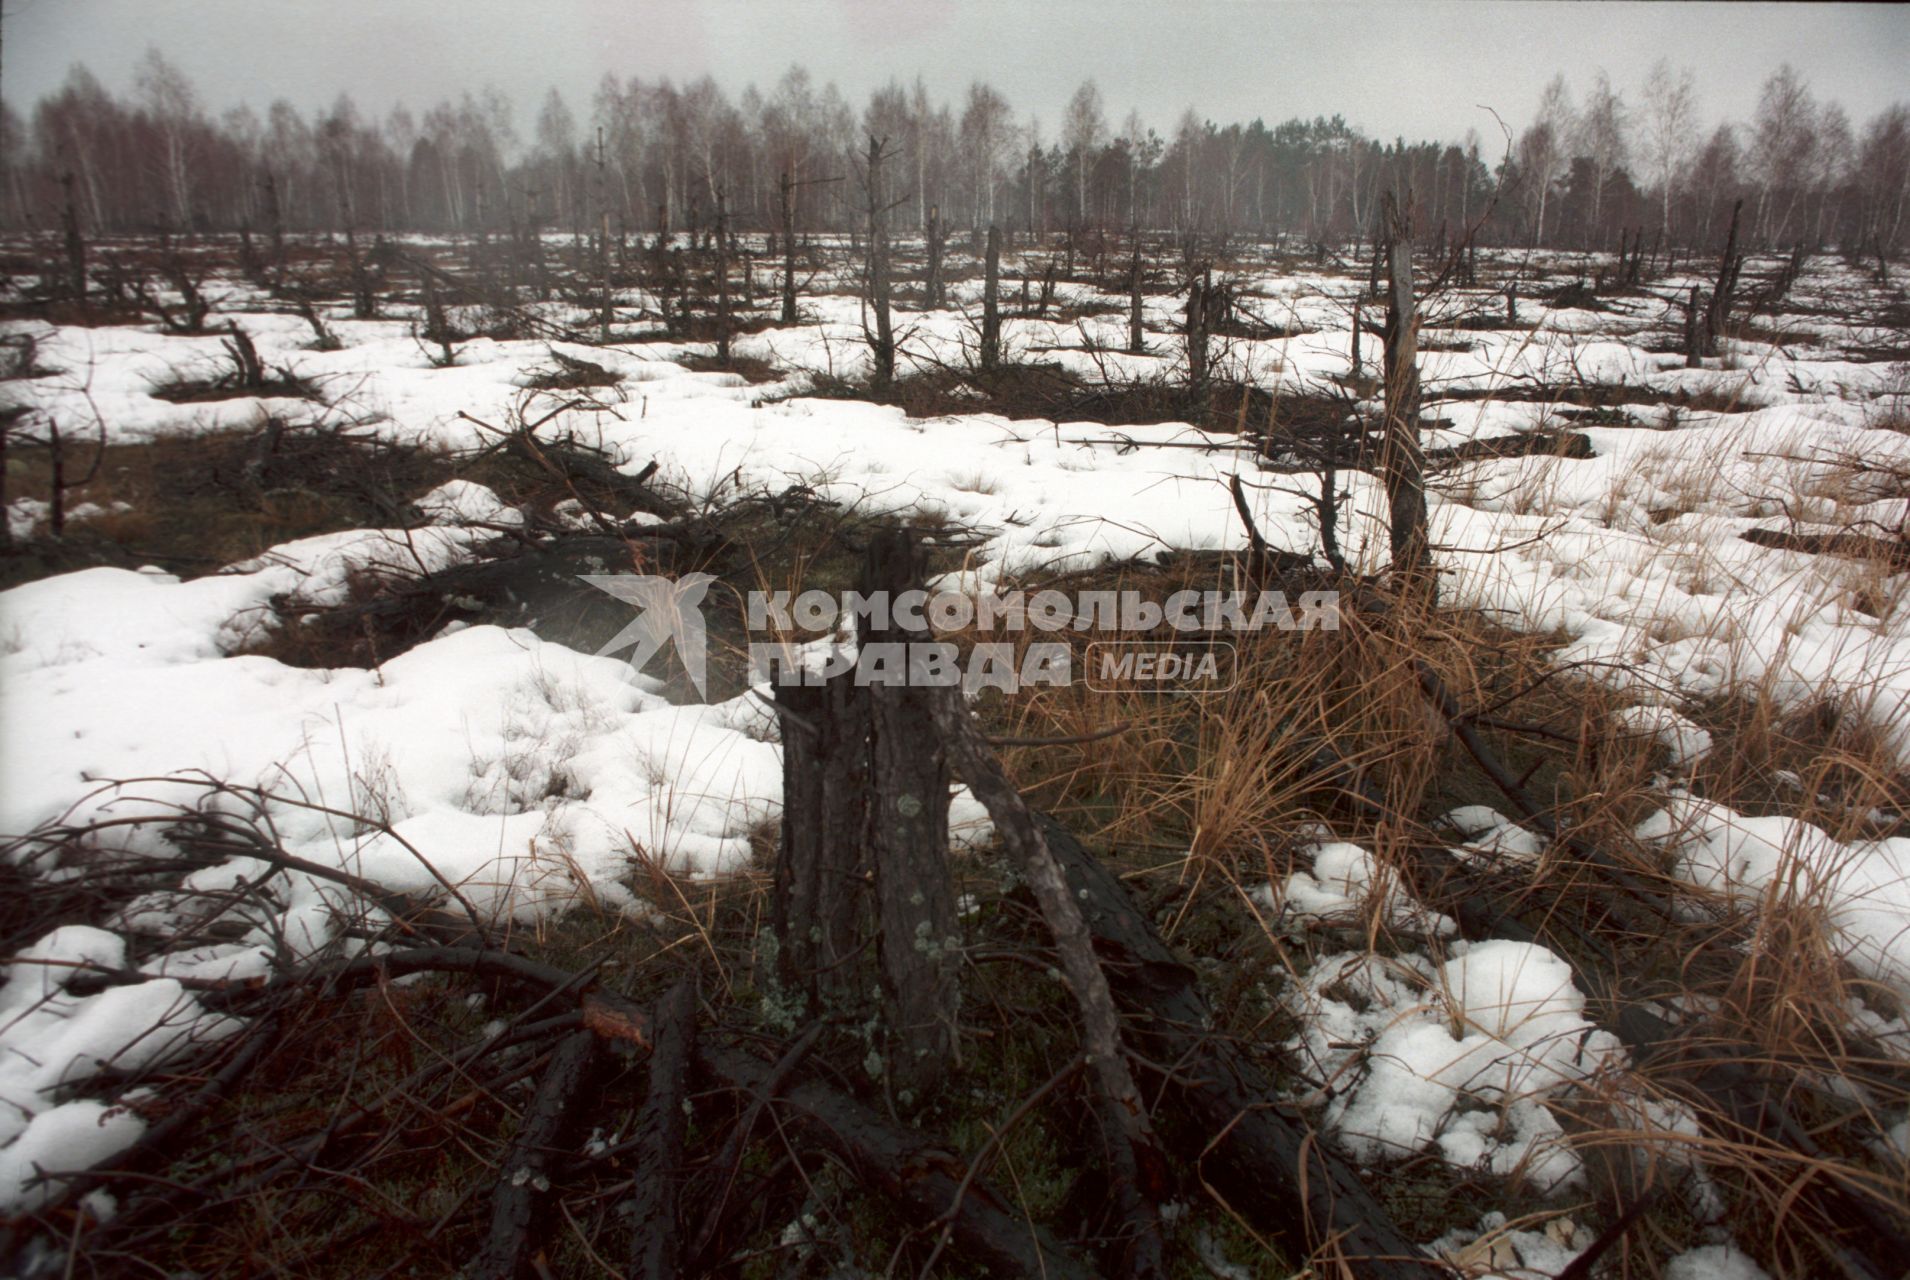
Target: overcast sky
(1422, 69)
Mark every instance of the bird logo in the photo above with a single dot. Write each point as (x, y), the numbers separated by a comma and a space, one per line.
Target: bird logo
(668, 612)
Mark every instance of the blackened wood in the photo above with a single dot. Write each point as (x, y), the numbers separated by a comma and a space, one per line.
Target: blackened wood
(921, 1178)
(1134, 1165)
(1402, 464)
(518, 1224)
(820, 900)
(1273, 1168)
(991, 301)
(656, 1242)
(908, 828)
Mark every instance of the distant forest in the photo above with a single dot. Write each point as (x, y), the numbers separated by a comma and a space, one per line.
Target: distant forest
(1586, 169)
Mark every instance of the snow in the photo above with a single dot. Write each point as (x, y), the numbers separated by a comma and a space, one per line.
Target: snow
(52, 1040)
(1345, 885)
(1458, 1056)
(1864, 884)
(526, 775)
(1714, 1262)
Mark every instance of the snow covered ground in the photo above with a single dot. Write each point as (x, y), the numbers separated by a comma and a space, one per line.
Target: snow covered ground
(524, 774)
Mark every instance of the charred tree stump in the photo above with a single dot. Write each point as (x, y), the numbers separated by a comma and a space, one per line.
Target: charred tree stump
(722, 281)
(991, 302)
(656, 1242)
(1199, 289)
(915, 891)
(1402, 463)
(75, 242)
(517, 1221)
(784, 190)
(1136, 336)
(932, 282)
(882, 339)
(819, 902)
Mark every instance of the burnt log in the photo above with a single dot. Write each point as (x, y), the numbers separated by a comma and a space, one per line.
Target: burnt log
(518, 1222)
(927, 1183)
(656, 1240)
(1260, 1153)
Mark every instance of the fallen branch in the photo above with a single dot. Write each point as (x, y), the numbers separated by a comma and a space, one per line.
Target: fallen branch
(920, 1177)
(656, 1245)
(517, 1225)
(1272, 1167)
(1135, 1166)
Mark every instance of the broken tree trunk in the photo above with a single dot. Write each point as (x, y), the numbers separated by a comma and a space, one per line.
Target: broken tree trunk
(1199, 287)
(1729, 266)
(932, 284)
(1272, 1167)
(991, 302)
(819, 902)
(908, 828)
(75, 242)
(722, 281)
(783, 187)
(656, 1243)
(517, 1222)
(882, 340)
(1402, 464)
(927, 1183)
(1135, 1165)
(1136, 336)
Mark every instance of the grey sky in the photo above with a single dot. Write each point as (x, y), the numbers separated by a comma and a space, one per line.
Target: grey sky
(1418, 69)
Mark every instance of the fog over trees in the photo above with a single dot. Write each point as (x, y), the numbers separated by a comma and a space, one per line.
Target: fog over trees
(1596, 160)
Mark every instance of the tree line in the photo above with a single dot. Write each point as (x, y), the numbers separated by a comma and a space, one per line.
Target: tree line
(650, 155)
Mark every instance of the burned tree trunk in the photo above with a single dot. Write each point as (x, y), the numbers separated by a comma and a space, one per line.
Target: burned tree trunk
(75, 242)
(722, 281)
(1135, 1164)
(656, 1244)
(1402, 463)
(915, 891)
(1271, 1165)
(991, 301)
(784, 187)
(882, 339)
(517, 1220)
(1718, 309)
(908, 1168)
(1136, 337)
(604, 312)
(1199, 289)
(932, 283)
(819, 903)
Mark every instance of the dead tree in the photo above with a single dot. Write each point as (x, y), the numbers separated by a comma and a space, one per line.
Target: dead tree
(1135, 1164)
(274, 222)
(819, 904)
(248, 368)
(882, 338)
(75, 242)
(784, 187)
(603, 243)
(518, 1217)
(915, 891)
(1717, 310)
(1198, 325)
(1136, 336)
(932, 282)
(722, 281)
(991, 301)
(1402, 463)
(656, 1245)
